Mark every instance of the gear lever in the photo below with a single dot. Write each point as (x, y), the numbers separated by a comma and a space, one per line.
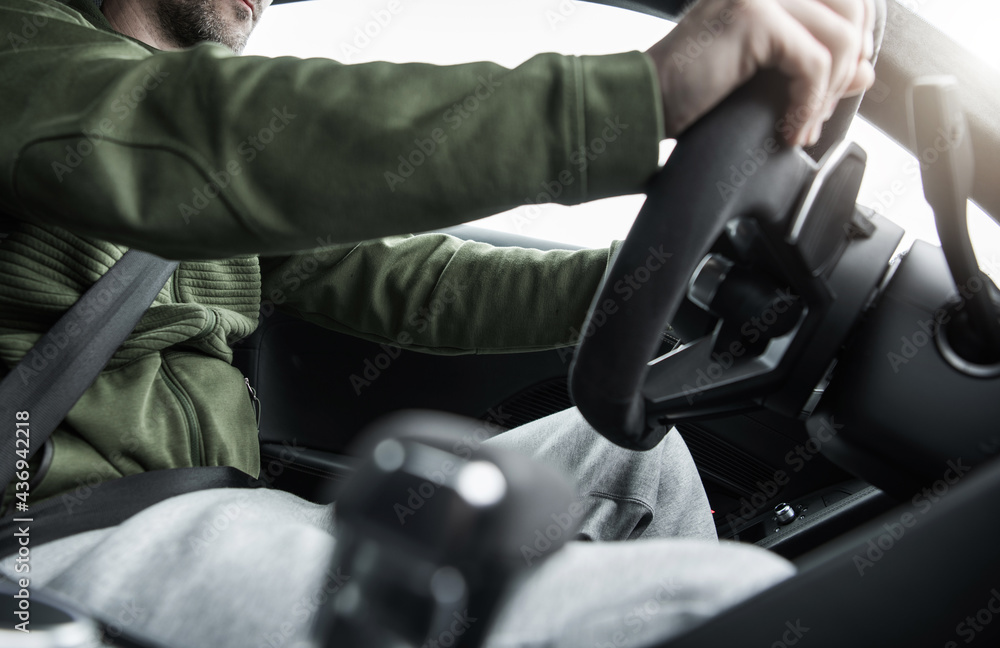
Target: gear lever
(431, 531)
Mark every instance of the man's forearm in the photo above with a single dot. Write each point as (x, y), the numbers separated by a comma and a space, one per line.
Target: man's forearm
(437, 293)
(200, 154)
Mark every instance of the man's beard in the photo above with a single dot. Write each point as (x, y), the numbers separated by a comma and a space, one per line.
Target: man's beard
(189, 22)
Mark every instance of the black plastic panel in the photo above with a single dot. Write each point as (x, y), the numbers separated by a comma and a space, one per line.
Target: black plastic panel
(302, 374)
(911, 577)
(902, 412)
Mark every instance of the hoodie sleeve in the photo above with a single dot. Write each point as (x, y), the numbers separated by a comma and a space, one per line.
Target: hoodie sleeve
(438, 293)
(201, 154)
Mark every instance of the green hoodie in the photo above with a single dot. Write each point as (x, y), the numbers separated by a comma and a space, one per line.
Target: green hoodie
(201, 155)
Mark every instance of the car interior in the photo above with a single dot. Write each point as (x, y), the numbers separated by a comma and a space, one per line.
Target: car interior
(837, 390)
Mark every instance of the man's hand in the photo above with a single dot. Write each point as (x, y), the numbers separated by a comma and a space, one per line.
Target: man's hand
(823, 46)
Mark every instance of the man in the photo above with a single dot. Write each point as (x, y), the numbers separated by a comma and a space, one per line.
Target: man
(136, 125)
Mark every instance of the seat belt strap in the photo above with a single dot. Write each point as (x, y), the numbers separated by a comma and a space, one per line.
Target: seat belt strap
(112, 502)
(35, 399)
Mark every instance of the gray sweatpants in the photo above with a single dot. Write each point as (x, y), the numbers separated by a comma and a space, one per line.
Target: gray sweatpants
(250, 568)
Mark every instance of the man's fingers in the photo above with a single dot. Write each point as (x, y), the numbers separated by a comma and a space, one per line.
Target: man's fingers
(860, 13)
(841, 36)
(823, 46)
(869, 32)
(844, 27)
(851, 10)
(797, 53)
(863, 79)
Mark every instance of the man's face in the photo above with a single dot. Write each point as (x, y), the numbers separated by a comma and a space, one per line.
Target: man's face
(229, 22)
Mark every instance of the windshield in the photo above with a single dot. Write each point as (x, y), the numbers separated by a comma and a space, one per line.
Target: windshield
(448, 32)
(971, 23)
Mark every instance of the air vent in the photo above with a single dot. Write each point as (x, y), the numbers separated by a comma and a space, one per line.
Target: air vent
(536, 402)
(724, 463)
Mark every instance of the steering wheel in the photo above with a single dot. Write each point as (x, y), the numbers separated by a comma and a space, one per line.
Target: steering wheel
(782, 229)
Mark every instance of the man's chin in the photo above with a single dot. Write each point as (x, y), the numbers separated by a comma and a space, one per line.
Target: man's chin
(189, 22)
(235, 37)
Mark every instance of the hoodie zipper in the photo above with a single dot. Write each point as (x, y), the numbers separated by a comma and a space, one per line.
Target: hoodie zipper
(254, 401)
(175, 386)
(194, 430)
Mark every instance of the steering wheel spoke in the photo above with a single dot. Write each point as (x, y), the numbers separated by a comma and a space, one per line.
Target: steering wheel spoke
(794, 262)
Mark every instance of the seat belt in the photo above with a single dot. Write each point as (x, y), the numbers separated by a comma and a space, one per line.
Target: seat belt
(110, 503)
(38, 393)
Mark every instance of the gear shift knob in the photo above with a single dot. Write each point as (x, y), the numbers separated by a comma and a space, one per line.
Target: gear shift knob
(431, 532)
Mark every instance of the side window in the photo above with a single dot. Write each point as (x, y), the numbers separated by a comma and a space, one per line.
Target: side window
(892, 186)
(892, 183)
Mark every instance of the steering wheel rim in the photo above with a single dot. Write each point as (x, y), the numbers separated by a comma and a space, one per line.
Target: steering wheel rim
(732, 162)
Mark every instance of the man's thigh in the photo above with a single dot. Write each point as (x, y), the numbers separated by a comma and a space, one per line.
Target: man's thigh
(252, 568)
(626, 494)
(221, 568)
(623, 594)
